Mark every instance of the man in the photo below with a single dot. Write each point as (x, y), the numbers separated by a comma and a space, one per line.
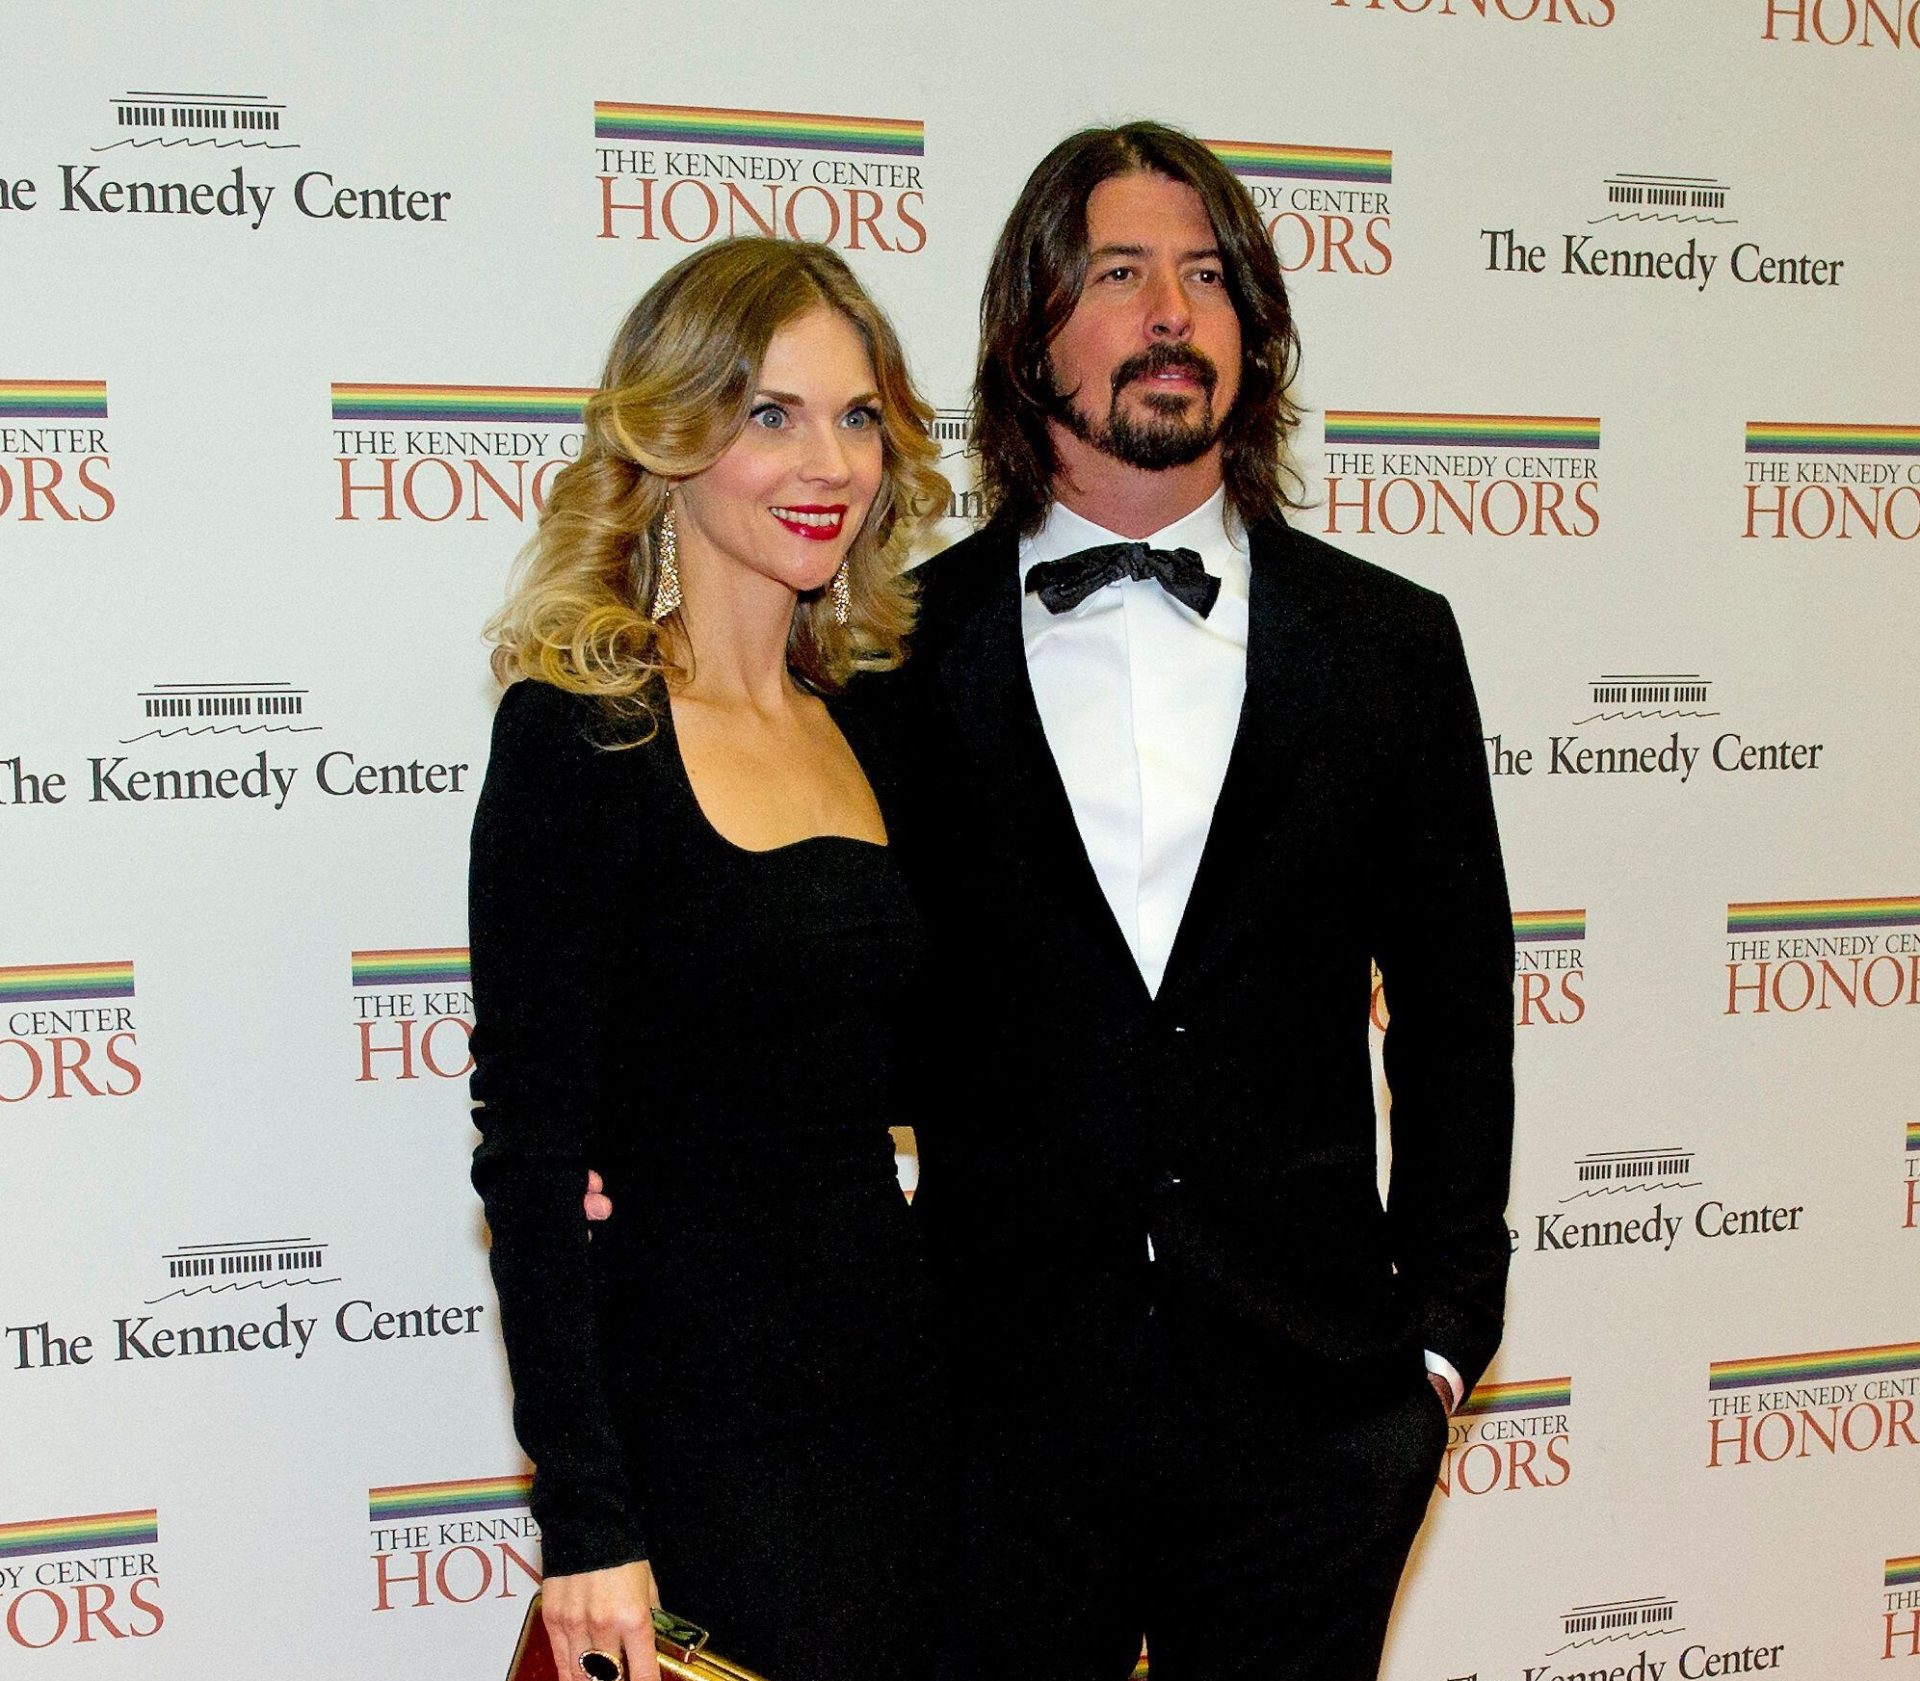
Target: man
(1171, 806)
(1166, 808)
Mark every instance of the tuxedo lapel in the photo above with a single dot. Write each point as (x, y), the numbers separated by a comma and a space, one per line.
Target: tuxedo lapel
(983, 676)
(1285, 676)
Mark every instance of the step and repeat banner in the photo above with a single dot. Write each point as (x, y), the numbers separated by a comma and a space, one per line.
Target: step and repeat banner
(1608, 316)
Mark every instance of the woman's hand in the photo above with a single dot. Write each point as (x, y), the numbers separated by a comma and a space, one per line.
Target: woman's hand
(603, 1611)
(597, 1204)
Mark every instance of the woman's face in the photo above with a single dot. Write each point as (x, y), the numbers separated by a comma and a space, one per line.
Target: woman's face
(789, 495)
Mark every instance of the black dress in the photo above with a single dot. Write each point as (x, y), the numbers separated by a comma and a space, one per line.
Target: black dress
(734, 1376)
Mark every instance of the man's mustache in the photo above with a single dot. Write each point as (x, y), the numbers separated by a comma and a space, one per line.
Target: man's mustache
(1167, 358)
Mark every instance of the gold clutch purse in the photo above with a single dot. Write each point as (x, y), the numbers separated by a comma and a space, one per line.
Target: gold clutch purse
(681, 1647)
(683, 1654)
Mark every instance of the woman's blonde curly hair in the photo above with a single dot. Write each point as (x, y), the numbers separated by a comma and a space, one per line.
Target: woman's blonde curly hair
(676, 392)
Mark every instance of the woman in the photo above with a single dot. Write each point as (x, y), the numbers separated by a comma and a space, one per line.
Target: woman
(690, 955)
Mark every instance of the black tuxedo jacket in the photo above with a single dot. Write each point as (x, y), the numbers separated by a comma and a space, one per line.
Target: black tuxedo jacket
(1070, 1117)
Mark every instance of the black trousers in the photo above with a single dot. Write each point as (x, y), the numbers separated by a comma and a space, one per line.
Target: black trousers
(1246, 1536)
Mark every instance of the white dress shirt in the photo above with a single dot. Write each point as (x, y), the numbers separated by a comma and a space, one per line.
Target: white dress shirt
(1140, 699)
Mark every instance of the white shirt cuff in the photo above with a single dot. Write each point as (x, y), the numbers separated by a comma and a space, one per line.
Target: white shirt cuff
(1443, 1367)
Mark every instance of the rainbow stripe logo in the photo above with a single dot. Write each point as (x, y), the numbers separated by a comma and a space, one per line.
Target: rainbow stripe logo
(1902, 1572)
(719, 125)
(1355, 164)
(1549, 925)
(427, 1500)
(1518, 1397)
(53, 983)
(1913, 1135)
(1788, 916)
(420, 966)
(526, 405)
(72, 1535)
(1789, 437)
(1499, 431)
(53, 399)
(1775, 1369)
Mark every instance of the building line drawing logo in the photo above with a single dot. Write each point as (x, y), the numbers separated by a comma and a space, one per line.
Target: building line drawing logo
(140, 186)
(1633, 231)
(219, 120)
(1664, 198)
(1649, 695)
(252, 702)
(1611, 1173)
(952, 431)
(260, 1264)
(1619, 1619)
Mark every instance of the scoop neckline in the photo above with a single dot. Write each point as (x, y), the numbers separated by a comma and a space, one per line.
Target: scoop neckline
(685, 780)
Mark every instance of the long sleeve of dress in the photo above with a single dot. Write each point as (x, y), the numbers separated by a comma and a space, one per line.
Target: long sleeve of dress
(542, 852)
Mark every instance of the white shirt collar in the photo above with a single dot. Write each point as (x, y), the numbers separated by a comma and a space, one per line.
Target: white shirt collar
(1209, 531)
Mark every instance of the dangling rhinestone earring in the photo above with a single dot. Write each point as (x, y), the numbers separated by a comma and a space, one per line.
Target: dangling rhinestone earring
(842, 596)
(666, 584)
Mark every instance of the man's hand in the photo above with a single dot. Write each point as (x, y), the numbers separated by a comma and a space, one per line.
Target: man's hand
(598, 1205)
(603, 1611)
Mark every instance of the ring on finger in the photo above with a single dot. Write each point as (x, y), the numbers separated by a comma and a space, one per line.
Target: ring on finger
(597, 1665)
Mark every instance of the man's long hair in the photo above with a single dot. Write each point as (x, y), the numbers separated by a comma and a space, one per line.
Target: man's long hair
(1038, 270)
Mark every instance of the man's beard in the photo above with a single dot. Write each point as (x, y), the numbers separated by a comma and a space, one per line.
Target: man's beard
(1165, 437)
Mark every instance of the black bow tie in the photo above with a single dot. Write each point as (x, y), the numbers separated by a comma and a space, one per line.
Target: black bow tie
(1063, 584)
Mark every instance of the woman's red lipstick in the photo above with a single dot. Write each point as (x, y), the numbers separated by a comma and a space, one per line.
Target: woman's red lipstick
(810, 520)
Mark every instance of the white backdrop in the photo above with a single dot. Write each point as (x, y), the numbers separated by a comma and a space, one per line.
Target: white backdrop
(1655, 258)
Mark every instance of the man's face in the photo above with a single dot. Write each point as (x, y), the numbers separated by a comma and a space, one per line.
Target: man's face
(1147, 367)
